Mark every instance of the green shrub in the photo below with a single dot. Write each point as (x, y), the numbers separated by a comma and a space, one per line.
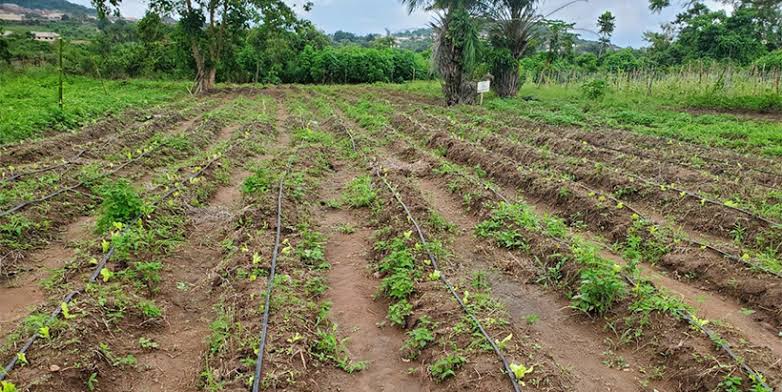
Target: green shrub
(598, 290)
(359, 193)
(595, 89)
(121, 203)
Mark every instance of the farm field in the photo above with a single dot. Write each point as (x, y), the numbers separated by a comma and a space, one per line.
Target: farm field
(367, 237)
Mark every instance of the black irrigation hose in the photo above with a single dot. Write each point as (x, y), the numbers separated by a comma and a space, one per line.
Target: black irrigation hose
(16, 176)
(443, 278)
(269, 287)
(684, 314)
(96, 272)
(712, 248)
(453, 292)
(56, 193)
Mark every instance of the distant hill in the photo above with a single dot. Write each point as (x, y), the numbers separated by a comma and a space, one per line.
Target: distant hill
(421, 39)
(53, 5)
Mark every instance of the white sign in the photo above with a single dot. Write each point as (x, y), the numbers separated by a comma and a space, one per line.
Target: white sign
(484, 87)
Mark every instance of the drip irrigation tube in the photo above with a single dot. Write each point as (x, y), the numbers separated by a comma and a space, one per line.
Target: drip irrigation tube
(56, 193)
(450, 288)
(443, 277)
(269, 286)
(19, 175)
(712, 248)
(684, 314)
(96, 272)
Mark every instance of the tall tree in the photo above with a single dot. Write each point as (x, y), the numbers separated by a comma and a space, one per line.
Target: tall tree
(514, 26)
(560, 40)
(209, 26)
(456, 39)
(606, 24)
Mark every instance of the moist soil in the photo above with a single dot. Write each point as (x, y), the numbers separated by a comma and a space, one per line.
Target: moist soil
(359, 317)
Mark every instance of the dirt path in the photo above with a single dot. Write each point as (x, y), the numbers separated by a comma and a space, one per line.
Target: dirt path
(351, 290)
(578, 347)
(24, 293)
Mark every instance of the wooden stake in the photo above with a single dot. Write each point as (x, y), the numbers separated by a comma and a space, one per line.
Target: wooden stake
(61, 72)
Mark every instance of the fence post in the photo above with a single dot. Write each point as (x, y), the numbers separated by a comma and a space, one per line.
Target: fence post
(61, 72)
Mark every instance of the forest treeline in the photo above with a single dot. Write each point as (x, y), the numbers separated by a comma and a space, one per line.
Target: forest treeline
(272, 44)
(151, 48)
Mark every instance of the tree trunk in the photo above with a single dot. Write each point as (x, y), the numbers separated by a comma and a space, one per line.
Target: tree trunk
(507, 81)
(456, 86)
(205, 75)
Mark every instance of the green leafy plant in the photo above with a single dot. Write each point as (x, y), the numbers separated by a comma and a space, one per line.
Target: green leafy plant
(359, 192)
(595, 89)
(446, 367)
(121, 203)
(259, 182)
(6, 386)
(520, 371)
(147, 343)
(398, 312)
(328, 348)
(418, 339)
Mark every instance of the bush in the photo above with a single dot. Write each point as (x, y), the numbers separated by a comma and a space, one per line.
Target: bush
(770, 61)
(594, 89)
(121, 204)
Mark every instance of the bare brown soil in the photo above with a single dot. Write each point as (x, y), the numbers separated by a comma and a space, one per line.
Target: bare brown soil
(360, 317)
(578, 205)
(721, 162)
(213, 282)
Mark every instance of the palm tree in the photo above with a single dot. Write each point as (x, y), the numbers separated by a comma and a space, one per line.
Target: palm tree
(607, 24)
(514, 26)
(456, 37)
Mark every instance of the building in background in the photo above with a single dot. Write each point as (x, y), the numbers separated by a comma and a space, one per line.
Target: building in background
(45, 36)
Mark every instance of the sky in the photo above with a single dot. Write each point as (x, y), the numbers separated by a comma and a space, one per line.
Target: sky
(633, 17)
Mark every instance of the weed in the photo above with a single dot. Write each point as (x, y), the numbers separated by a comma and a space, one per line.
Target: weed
(121, 203)
(480, 281)
(258, 183)
(220, 329)
(359, 192)
(147, 344)
(598, 290)
(346, 228)
(124, 361)
(148, 273)
(92, 381)
(439, 223)
(149, 309)
(316, 286)
(328, 348)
